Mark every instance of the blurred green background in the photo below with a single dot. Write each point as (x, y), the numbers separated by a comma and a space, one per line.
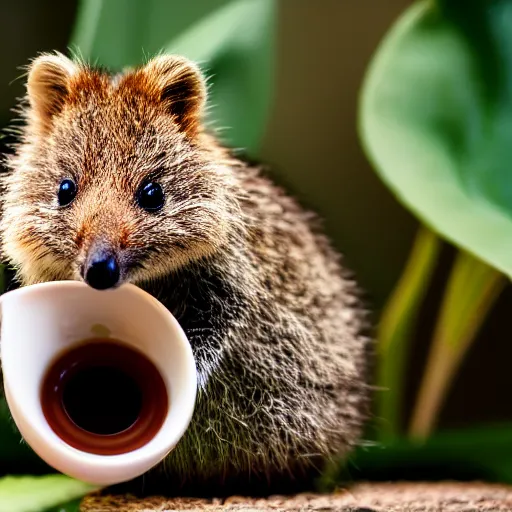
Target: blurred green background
(306, 129)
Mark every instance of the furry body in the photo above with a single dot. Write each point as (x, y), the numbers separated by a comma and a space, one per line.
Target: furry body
(274, 323)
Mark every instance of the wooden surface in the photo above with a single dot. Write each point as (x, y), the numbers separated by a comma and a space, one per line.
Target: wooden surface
(393, 497)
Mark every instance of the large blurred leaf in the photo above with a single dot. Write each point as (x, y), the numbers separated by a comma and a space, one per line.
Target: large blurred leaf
(232, 40)
(436, 120)
(35, 494)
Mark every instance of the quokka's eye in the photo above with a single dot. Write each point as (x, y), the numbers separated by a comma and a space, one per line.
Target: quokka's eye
(67, 192)
(150, 196)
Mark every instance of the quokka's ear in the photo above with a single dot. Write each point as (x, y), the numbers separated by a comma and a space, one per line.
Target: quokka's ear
(179, 85)
(48, 86)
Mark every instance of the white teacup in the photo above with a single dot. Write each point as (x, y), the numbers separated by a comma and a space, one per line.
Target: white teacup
(40, 322)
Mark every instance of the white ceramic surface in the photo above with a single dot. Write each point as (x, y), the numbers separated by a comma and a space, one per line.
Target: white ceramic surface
(39, 321)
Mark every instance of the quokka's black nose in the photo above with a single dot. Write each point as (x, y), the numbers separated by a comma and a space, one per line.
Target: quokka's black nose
(102, 272)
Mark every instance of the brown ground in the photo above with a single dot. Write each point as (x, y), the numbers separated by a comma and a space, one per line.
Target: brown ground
(392, 497)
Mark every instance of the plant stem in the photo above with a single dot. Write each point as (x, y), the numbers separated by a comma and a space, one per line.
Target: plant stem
(394, 331)
(472, 290)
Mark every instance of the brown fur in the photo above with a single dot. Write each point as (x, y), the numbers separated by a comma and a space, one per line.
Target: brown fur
(274, 322)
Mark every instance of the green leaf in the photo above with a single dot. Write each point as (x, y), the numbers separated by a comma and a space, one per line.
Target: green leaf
(436, 120)
(233, 41)
(478, 453)
(395, 331)
(34, 494)
(472, 290)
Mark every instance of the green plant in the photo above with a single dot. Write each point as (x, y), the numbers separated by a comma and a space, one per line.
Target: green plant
(436, 121)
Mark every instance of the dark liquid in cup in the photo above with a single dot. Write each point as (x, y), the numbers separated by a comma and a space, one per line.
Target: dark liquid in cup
(104, 397)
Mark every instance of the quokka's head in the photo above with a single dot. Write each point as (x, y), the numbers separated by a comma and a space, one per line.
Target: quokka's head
(114, 179)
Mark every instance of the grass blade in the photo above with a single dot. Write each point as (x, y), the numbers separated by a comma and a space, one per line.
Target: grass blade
(472, 290)
(395, 329)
